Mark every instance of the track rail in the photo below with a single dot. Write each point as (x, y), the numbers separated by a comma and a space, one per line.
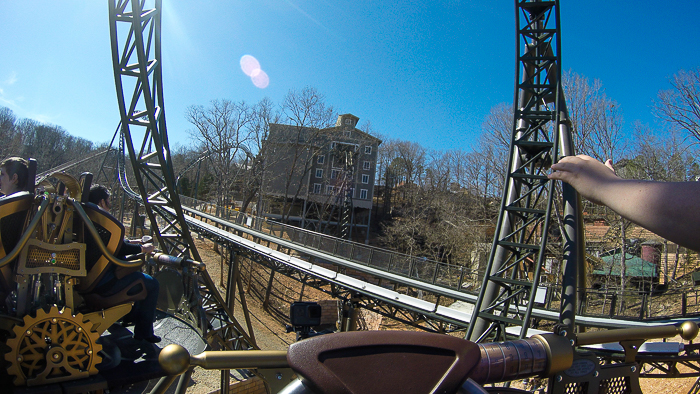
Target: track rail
(303, 262)
(331, 275)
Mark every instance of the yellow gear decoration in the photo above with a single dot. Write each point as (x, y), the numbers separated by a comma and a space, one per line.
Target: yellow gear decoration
(54, 346)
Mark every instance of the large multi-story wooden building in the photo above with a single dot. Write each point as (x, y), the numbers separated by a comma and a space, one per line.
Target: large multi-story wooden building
(324, 178)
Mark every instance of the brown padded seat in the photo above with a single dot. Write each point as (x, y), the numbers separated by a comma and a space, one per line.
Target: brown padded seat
(111, 233)
(371, 362)
(14, 210)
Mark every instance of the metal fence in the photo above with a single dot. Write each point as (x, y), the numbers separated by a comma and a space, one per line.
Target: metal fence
(447, 275)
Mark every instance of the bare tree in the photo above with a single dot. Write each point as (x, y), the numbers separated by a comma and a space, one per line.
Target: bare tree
(584, 102)
(307, 114)
(486, 167)
(221, 129)
(498, 127)
(409, 164)
(681, 105)
(597, 123)
(369, 129)
(10, 137)
(262, 115)
(438, 171)
(660, 157)
(51, 145)
(386, 174)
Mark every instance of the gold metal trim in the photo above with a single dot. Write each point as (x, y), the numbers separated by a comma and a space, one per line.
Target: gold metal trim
(39, 257)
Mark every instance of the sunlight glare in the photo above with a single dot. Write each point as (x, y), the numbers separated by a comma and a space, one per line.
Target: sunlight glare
(249, 64)
(251, 68)
(260, 78)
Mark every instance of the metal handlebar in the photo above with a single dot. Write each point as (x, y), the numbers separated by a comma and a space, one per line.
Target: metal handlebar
(541, 355)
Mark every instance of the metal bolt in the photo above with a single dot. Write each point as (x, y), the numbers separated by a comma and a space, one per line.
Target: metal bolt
(279, 376)
(633, 369)
(54, 320)
(55, 356)
(559, 378)
(19, 359)
(79, 329)
(89, 351)
(29, 332)
(596, 373)
(563, 333)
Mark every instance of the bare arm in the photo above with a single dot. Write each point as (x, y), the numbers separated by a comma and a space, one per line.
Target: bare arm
(669, 209)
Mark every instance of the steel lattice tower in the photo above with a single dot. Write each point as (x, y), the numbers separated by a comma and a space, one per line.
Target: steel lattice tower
(347, 191)
(540, 135)
(135, 36)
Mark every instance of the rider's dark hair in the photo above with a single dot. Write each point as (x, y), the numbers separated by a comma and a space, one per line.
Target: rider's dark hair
(98, 193)
(19, 166)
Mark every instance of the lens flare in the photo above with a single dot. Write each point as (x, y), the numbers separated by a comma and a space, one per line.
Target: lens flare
(251, 67)
(249, 64)
(260, 78)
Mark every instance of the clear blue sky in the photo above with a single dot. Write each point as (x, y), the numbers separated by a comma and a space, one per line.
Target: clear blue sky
(427, 72)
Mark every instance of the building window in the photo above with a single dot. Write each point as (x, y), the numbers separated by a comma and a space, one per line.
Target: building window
(321, 159)
(329, 189)
(365, 178)
(334, 174)
(348, 133)
(363, 194)
(317, 188)
(333, 145)
(319, 173)
(368, 150)
(348, 121)
(366, 165)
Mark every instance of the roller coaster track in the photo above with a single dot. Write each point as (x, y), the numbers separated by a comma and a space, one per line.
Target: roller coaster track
(391, 287)
(325, 256)
(405, 288)
(71, 164)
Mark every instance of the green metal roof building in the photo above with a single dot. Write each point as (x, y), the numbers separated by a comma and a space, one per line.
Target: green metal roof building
(636, 267)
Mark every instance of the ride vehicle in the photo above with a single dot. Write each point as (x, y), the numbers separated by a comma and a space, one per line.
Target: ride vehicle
(55, 247)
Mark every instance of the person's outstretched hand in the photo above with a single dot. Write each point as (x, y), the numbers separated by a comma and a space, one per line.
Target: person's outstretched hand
(587, 175)
(147, 248)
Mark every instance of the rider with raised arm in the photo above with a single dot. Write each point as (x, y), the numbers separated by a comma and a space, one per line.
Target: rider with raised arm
(669, 209)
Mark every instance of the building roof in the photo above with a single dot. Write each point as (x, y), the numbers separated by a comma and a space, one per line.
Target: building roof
(282, 133)
(636, 267)
(595, 233)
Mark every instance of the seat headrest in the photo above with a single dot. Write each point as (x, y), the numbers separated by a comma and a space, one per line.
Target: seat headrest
(31, 175)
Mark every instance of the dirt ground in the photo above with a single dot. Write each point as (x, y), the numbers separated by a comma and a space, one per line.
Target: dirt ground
(269, 329)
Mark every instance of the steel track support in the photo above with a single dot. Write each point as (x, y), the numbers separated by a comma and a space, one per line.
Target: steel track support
(136, 58)
(268, 290)
(540, 133)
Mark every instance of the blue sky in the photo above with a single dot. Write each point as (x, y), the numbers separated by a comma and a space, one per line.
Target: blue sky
(421, 71)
